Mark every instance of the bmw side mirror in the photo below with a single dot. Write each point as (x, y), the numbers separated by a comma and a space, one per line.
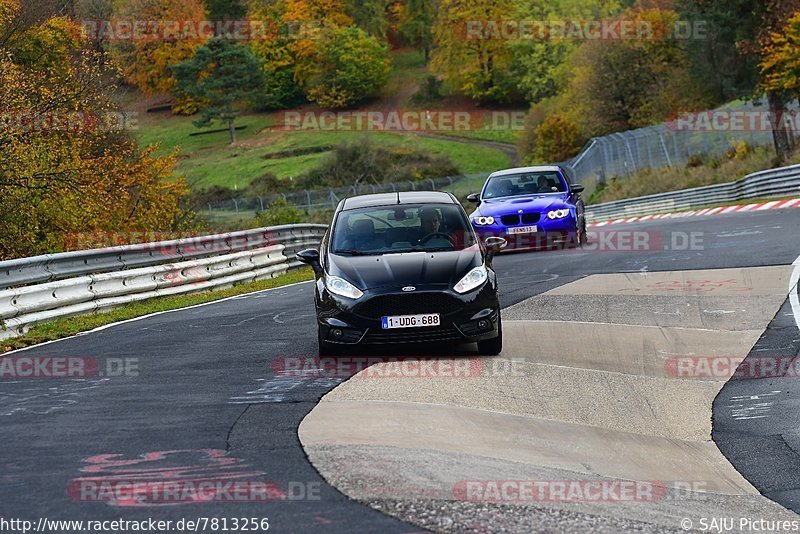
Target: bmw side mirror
(493, 246)
(310, 256)
(475, 198)
(576, 188)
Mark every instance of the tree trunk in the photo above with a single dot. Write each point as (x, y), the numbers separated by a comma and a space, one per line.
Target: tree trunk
(780, 137)
(233, 131)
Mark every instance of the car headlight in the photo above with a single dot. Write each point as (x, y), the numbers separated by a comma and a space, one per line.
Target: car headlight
(483, 221)
(557, 214)
(341, 287)
(473, 279)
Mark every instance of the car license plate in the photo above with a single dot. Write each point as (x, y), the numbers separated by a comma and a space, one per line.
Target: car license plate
(522, 230)
(410, 321)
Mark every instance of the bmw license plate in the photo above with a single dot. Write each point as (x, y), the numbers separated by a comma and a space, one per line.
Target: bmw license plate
(410, 321)
(522, 230)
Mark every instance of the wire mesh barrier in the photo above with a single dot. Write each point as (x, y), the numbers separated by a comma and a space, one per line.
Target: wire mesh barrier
(321, 199)
(671, 144)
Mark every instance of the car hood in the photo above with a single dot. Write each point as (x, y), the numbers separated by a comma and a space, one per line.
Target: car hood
(526, 203)
(405, 269)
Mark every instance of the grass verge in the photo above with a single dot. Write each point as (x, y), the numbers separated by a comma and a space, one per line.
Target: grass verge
(70, 326)
(207, 160)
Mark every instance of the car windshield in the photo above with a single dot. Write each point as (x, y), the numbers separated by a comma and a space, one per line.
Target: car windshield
(529, 183)
(402, 228)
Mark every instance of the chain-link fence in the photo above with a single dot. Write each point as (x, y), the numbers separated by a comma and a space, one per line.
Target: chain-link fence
(672, 144)
(616, 155)
(323, 199)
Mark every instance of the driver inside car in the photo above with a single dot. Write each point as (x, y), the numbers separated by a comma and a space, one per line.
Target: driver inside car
(430, 230)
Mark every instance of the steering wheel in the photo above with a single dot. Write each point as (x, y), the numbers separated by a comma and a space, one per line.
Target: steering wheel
(436, 234)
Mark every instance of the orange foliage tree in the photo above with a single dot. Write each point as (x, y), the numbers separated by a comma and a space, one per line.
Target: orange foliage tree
(145, 61)
(65, 167)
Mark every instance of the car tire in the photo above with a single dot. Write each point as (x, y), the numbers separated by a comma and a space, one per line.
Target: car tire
(582, 239)
(325, 348)
(492, 347)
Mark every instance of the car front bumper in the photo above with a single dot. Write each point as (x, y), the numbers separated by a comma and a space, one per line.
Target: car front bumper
(557, 233)
(464, 318)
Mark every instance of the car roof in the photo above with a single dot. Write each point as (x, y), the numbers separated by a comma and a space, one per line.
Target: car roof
(520, 170)
(401, 197)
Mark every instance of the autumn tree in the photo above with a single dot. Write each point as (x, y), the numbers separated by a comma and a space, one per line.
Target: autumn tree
(64, 168)
(369, 15)
(624, 84)
(745, 40)
(145, 61)
(276, 56)
(540, 66)
(470, 61)
(773, 45)
(780, 64)
(351, 66)
(221, 75)
(415, 20)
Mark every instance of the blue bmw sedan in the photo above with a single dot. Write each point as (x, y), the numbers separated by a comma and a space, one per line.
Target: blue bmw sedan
(531, 207)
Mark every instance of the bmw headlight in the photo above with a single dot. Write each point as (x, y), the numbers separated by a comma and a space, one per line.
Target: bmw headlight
(473, 279)
(557, 214)
(483, 221)
(341, 287)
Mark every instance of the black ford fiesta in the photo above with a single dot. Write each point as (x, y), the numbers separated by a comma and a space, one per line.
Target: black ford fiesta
(403, 268)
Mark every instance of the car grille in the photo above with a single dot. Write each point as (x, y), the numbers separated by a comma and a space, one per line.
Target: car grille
(412, 335)
(513, 220)
(530, 217)
(408, 304)
(509, 220)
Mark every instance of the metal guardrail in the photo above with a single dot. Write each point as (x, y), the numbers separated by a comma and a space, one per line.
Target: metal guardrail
(48, 267)
(74, 283)
(780, 182)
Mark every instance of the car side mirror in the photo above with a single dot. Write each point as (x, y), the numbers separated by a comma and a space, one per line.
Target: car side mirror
(576, 188)
(493, 246)
(310, 256)
(475, 198)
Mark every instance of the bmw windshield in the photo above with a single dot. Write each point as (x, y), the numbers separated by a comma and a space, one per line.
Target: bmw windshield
(399, 228)
(524, 184)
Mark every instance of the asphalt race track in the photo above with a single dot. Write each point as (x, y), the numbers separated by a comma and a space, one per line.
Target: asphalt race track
(202, 394)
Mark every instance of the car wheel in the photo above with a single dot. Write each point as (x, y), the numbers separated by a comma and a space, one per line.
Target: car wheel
(493, 347)
(325, 348)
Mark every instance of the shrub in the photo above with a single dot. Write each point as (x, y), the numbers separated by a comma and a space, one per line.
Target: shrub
(279, 212)
(557, 139)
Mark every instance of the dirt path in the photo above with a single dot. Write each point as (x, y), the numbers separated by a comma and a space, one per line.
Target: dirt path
(507, 148)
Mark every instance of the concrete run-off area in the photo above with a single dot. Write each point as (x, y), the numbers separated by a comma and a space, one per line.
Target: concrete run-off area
(603, 382)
